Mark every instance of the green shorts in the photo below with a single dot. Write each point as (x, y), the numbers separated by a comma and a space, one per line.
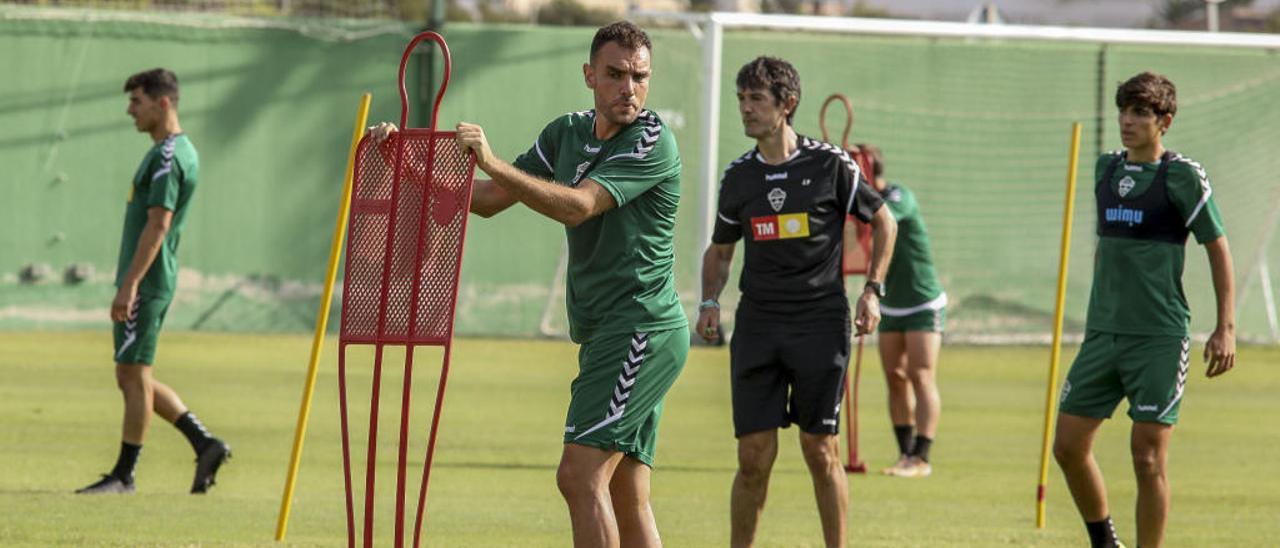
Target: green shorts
(924, 320)
(1149, 370)
(135, 339)
(617, 397)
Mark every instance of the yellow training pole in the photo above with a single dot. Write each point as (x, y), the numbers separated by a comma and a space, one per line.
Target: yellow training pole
(1050, 399)
(322, 318)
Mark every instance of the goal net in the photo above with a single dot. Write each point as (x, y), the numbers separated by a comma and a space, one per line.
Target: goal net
(976, 120)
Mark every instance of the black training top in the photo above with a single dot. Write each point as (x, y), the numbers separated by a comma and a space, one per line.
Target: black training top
(792, 218)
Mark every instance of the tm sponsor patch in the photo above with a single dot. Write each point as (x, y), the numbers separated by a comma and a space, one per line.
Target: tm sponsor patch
(780, 227)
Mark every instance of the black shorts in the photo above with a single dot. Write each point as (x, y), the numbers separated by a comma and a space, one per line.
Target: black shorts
(780, 378)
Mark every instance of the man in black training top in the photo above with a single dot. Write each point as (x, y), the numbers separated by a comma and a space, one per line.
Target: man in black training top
(787, 199)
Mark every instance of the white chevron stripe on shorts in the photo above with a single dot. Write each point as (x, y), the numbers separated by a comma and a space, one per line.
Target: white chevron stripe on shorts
(626, 380)
(1184, 363)
(130, 328)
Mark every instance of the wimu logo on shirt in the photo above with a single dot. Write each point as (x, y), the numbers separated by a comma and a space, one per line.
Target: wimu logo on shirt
(780, 227)
(1123, 214)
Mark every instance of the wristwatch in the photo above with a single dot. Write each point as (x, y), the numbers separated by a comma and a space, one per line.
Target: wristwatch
(875, 286)
(708, 304)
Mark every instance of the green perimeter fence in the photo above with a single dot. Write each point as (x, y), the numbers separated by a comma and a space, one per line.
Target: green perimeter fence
(979, 128)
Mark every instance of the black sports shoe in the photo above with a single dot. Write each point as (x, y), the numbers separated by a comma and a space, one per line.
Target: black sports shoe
(108, 485)
(207, 464)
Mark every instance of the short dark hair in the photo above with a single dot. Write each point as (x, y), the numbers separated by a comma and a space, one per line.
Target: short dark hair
(873, 153)
(1150, 90)
(156, 83)
(625, 33)
(775, 75)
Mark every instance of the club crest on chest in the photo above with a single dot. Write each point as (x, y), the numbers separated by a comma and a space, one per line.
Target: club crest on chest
(1125, 185)
(777, 197)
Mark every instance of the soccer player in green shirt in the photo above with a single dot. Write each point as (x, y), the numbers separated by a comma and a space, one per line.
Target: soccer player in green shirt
(913, 312)
(611, 175)
(147, 273)
(1136, 342)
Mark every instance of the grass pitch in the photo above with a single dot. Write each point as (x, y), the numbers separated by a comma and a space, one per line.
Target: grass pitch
(493, 483)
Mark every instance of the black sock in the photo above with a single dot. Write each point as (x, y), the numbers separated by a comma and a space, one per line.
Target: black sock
(194, 431)
(1102, 533)
(127, 460)
(903, 433)
(920, 447)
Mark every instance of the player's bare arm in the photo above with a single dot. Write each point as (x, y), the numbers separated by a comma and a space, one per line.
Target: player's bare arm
(159, 220)
(570, 206)
(487, 198)
(1220, 350)
(716, 261)
(884, 232)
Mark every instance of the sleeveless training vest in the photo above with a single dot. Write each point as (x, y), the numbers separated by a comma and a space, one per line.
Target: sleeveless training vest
(1151, 216)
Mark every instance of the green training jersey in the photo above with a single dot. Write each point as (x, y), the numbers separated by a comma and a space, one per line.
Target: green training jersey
(912, 282)
(1137, 273)
(166, 178)
(620, 276)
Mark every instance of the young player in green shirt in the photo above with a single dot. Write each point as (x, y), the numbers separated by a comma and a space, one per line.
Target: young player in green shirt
(146, 276)
(1136, 342)
(913, 312)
